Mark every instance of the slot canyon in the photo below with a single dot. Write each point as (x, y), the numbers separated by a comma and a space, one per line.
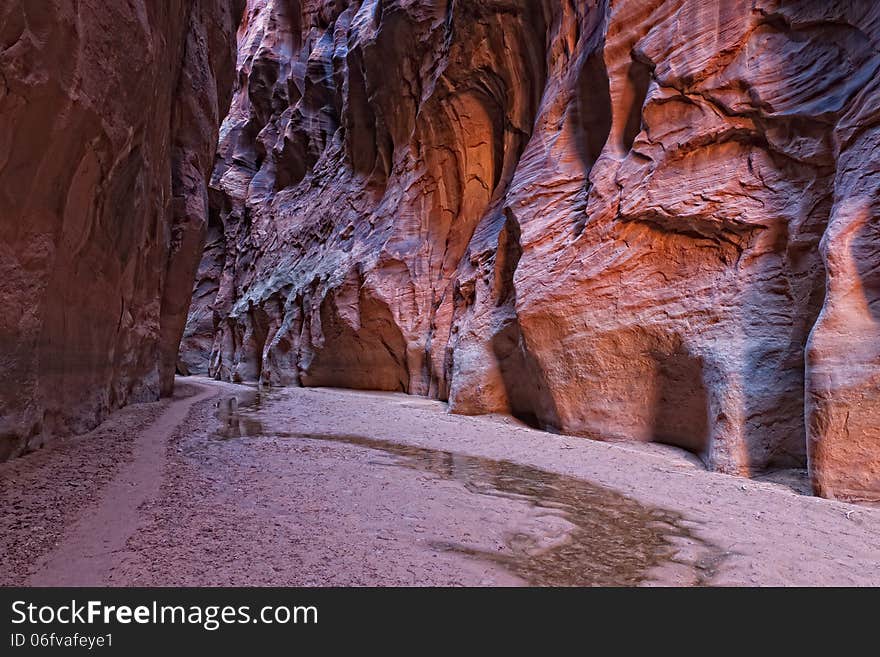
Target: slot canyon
(616, 259)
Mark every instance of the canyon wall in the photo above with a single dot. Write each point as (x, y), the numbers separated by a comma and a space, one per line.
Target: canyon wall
(109, 119)
(623, 219)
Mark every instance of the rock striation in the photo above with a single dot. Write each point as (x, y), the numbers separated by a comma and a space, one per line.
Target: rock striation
(623, 219)
(109, 117)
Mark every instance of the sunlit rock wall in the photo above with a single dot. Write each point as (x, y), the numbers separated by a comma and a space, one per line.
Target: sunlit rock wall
(632, 219)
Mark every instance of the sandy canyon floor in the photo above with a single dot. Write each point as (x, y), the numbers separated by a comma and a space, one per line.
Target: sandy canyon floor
(228, 485)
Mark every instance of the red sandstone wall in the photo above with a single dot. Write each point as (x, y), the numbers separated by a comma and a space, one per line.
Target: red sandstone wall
(110, 115)
(628, 219)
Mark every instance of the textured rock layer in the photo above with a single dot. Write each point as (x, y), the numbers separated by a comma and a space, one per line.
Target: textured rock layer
(109, 116)
(624, 219)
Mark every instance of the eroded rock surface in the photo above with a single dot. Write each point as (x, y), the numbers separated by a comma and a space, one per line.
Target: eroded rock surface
(614, 219)
(109, 116)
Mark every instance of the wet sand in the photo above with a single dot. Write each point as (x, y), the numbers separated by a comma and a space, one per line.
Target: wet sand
(224, 485)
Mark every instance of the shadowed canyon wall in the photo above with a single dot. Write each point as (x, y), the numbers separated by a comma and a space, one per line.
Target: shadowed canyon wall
(624, 219)
(109, 120)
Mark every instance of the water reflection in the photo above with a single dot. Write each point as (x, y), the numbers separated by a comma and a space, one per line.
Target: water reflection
(232, 422)
(614, 540)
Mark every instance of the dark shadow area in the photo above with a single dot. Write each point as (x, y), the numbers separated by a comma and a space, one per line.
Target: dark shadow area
(866, 254)
(527, 391)
(507, 259)
(369, 357)
(681, 403)
(780, 305)
(259, 331)
(194, 353)
(638, 79)
(592, 110)
(11, 443)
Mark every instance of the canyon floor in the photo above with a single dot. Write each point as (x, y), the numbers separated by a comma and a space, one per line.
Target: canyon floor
(230, 485)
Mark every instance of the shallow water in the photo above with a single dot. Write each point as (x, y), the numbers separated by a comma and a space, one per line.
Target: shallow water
(233, 421)
(614, 540)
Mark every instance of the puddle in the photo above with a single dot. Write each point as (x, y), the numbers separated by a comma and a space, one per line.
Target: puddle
(232, 423)
(614, 540)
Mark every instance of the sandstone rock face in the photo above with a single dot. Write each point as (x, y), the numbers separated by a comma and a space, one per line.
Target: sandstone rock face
(110, 114)
(843, 369)
(611, 218)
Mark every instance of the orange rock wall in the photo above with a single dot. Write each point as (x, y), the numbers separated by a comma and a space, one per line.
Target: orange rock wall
(623, 219)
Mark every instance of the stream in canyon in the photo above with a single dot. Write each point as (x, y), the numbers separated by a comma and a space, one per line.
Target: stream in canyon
(610, 539)
(229, 485)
